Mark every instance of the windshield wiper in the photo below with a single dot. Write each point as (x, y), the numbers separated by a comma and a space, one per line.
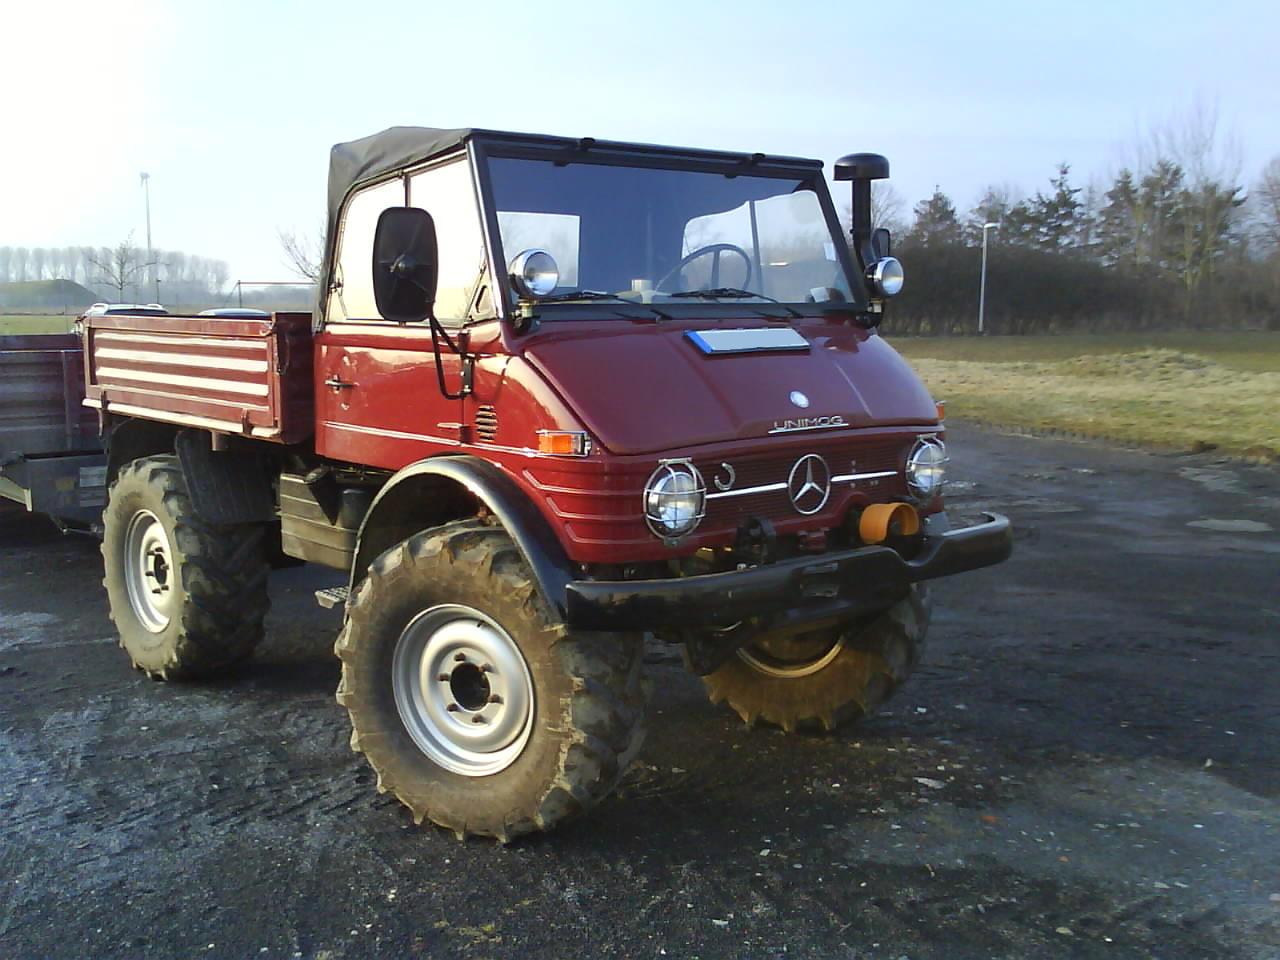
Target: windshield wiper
(717, 293)
(583, 295)
(601, 295)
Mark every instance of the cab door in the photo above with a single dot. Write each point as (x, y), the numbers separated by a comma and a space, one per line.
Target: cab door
(378, 399)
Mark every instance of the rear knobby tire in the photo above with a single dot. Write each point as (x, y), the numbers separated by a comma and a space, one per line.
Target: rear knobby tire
(199, 592)
(844, 678)
(584, 723)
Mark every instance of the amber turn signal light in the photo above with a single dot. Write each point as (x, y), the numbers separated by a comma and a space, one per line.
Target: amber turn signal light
(882, 520)
(941, 406)
(563, 443)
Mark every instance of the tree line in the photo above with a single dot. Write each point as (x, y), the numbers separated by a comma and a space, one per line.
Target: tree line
(122, 272)
(1173, 238)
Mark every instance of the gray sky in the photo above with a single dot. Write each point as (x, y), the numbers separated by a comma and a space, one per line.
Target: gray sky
(232, 106)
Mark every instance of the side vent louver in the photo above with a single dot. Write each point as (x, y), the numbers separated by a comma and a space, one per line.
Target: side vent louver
(486, 423)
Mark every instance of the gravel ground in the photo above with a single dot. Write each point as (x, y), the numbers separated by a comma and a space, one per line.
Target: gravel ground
(1087, 765)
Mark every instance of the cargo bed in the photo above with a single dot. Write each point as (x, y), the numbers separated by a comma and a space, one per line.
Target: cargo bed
(240, 376)
(51, 459)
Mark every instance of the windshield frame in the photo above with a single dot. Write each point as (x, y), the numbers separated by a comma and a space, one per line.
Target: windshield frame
(807, 172)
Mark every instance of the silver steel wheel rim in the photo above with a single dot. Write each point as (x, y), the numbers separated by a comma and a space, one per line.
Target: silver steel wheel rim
(148, 571)
(776, 668)
(463, 690)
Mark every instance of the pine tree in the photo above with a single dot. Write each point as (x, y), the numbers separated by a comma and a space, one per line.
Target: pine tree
(1118, 222)
(936, 223)
(1057, 216)
(993, 207)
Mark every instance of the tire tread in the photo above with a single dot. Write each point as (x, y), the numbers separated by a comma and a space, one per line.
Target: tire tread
(602, 721)
(222, 571)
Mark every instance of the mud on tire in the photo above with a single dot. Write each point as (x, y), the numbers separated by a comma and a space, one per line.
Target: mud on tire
(848, 675)
(199, 592)
(587, 709)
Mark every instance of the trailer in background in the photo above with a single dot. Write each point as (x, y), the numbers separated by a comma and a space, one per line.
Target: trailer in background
(51, 458)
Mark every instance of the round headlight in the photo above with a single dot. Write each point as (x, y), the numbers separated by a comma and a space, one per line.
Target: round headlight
(926, 468)
(534, 273)
(886, 276)
(674, 499)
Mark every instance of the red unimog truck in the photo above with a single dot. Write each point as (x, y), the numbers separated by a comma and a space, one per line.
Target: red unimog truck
(557, 394)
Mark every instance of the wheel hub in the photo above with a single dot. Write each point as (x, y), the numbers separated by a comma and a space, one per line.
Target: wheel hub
(463, 690)
(149, 572)
(792, 656)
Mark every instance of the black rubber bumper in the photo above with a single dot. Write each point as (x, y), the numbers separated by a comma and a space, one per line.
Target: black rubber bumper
(847, 583)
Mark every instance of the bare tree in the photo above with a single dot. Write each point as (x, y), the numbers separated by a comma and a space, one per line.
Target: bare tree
(304, 253)
(120, 266)
(1211, 158)
(887, 209)
(70, 257)
(993, 206)
(1266, 204)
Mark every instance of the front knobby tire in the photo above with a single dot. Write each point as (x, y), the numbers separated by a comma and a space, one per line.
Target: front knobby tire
(828, 678)
(472, 702)
(187, 597)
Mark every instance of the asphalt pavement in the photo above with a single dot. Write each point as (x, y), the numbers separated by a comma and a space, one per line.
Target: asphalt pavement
(1086, 765)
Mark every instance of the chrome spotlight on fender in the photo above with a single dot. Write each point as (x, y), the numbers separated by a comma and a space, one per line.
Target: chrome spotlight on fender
(534, 273)
(675, 500)
(886, 276)
(926, 468)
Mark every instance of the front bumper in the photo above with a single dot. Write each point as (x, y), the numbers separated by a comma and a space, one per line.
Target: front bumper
(847, 583)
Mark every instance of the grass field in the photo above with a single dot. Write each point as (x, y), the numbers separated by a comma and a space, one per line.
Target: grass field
(1179, 390)
(11, 325)
(1249, 350)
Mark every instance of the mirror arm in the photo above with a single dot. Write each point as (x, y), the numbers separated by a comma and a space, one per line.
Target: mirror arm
(460, 348)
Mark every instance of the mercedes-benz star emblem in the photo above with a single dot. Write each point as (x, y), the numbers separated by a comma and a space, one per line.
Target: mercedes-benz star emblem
(809, 484)
(799, 399)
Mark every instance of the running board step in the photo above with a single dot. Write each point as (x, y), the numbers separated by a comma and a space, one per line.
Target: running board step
(331, 597)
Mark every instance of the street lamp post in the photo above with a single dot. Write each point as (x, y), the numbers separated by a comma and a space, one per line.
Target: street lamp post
(982, 288)
(151, 266)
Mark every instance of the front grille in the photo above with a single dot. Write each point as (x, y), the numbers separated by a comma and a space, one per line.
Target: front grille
(842, 460)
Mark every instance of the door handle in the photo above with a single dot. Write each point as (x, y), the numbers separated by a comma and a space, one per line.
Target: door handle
(338, 384)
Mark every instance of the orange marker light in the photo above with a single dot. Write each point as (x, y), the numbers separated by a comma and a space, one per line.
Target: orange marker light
(563, 443)
(941, 405)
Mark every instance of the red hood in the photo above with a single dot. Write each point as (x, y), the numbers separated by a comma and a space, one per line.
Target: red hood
(644, 389)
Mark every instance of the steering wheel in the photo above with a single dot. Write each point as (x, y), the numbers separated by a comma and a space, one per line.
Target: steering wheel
(710, 250)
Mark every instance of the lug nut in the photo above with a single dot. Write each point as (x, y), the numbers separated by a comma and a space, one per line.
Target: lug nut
(453, 708)
(460, 657)
(444, 678)
(494, 698)
(478, 719)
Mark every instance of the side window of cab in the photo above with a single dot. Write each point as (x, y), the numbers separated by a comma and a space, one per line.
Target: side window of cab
(447, 192)
(353, 298)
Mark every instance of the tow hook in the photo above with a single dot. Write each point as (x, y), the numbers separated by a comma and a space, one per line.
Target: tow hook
(756, 537)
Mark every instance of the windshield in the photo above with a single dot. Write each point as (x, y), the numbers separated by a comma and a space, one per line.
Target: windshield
(652, 235)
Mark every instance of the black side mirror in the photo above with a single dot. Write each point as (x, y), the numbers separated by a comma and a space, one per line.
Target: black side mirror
(881, 242)
(406, 264)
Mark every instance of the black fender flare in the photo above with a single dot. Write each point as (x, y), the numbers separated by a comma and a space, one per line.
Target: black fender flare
(552, 569)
